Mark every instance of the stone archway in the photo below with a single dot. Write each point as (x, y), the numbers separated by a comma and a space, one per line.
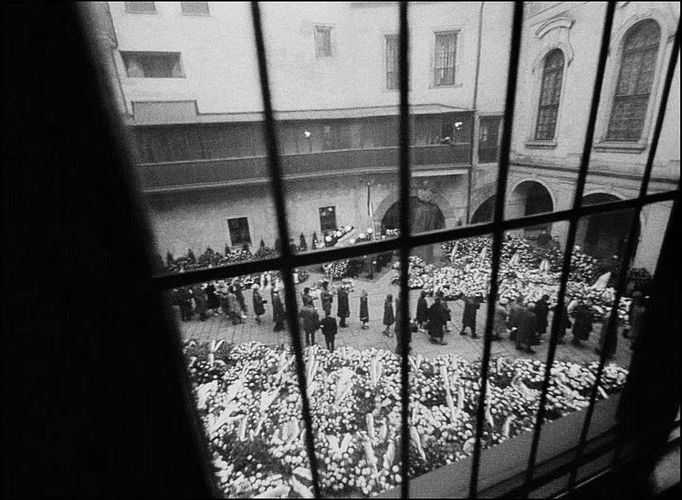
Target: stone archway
(484, 212)
(530, 197)
(604, 235)
(424, 216)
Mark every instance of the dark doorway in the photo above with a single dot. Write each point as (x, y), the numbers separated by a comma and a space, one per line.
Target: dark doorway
(424, 216)
(605, 234)
(485, 211)
(530, 198)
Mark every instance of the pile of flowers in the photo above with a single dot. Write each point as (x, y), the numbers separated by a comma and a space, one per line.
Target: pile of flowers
(331, 238)
(249, 401)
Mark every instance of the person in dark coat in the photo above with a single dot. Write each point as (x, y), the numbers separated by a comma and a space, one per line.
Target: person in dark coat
(238, 287)
(329, 329)
(515, 309)
(565, 325)
(185, 302)
(306, 298)
(389, 317)
(471, 305)
(541, 312)
(527, 329)
(222, 292)
(212, 302)
(607, 342)
(500, 324)
(326, 297)
(233, 306)
(278, 313)
(364, 310)
(200, 301)
(422, 310)
(582, 323)
(342, 306)
(310, 321)
(258, 303)
(438, 317)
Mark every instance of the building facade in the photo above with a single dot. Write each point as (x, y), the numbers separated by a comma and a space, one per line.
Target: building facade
(188, 87)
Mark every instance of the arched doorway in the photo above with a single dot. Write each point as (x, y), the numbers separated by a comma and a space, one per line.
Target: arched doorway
(530, 198)
(484, 212)
(424, 216)
(605, 235)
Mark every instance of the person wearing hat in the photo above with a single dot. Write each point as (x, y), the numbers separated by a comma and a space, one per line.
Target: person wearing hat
(389, 316)
(471, 305)
(201, 301)
(278, 313)
(525, 335)
(541, 312)
(310, 321)
(364, 310)
(582, 324)
(500, 325)
(342, 306)
(258, 304)
(306, 297)
(326, 297)
(329, 330)
(422, 310)
(212, 298)
(438, 317)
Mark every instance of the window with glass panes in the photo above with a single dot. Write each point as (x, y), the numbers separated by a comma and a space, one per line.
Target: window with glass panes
(635, 81)
(550, 96)
(397, 77)
(239, 231)
(328, 219)
(197, 8)
(391, 62)
(140, 7)
(152, 64)
(444, 58)
(323, 41)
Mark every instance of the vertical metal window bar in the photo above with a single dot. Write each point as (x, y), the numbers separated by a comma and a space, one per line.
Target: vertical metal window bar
(570, 239)
(629, 252)
(514, 55)
(404, 237)
(280, 207)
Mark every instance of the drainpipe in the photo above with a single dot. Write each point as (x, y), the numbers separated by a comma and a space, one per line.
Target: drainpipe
(476, 121)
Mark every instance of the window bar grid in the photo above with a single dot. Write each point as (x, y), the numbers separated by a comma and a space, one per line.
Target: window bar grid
(611, 332)
(514, 57)
(169, 280)
(286, 254)
(570, 239)
(404, 240)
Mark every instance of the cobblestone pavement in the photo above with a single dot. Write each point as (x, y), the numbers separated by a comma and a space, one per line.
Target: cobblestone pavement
(219, 327)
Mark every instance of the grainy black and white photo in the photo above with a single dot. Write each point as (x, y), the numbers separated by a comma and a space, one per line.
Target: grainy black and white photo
(385, 249)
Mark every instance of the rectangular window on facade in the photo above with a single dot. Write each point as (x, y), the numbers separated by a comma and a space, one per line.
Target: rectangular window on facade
(392, 62)
(196, 8)
(153, 64)
(239, 231)
(140, 7)
(323, 41)
(328, 219)
(444, 59)
(489, 139)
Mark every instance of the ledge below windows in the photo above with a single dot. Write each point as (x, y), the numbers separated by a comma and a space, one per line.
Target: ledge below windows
(541, 144)
(620, 147)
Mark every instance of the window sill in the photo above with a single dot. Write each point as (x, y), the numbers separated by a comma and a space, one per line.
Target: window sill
(541, 144)
(192, 14)
(620, 147)
(451, 86)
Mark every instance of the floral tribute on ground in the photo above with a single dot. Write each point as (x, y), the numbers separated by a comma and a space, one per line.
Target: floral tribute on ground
(248, 398)
(525, 269)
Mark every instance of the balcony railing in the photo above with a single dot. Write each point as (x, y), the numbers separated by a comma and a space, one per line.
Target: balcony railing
(197, 174)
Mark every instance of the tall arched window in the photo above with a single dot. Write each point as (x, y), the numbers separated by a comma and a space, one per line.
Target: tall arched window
(550, 94)
(635, 79)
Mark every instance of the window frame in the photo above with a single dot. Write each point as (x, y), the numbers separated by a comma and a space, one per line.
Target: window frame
(319, 31)
(541, 107)
(198, 14)
(336, 224)
(124, 53)
(127, 11)
(405, 241)
(455, 58)
(667, 33)
(239, 244)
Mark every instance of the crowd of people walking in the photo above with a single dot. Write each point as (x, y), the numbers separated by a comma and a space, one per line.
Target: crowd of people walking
(520, 321)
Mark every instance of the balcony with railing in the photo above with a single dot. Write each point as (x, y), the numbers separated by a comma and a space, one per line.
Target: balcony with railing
(205, 174)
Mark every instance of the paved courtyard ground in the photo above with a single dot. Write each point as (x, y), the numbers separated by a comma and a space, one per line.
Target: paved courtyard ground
(219, 327)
